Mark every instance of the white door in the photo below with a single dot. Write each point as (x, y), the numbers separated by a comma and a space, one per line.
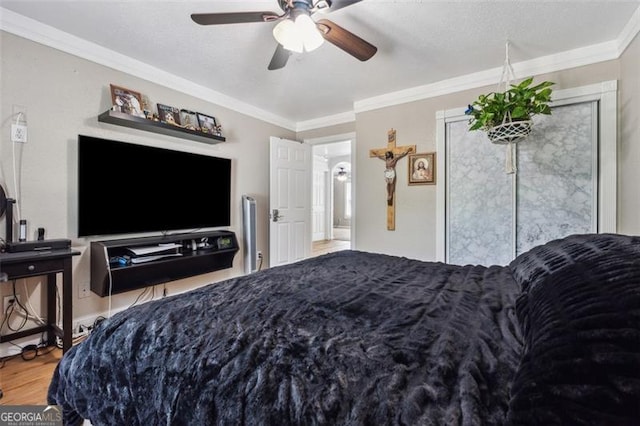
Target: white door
(289, 201)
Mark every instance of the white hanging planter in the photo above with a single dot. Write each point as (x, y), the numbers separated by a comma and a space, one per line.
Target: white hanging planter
(510, 132)
(521, 100)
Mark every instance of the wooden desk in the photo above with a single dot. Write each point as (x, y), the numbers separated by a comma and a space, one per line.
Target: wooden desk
(45, 263)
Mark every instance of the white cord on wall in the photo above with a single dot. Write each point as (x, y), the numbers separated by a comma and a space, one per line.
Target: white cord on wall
(17, 216)
(29, 305)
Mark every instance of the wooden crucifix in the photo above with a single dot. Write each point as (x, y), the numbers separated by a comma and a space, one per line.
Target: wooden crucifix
(391, 154)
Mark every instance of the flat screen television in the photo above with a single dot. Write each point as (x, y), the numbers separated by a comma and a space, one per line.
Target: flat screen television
(125, 188)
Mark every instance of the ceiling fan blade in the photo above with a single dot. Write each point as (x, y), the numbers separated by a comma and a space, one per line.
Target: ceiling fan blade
(339, 4)
(279, 59)
(345, 40)
(233, 18)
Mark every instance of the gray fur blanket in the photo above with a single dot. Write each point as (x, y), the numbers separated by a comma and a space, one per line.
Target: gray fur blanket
(348, 338)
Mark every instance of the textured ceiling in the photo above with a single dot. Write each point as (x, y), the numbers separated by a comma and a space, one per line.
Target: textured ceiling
(419, 43)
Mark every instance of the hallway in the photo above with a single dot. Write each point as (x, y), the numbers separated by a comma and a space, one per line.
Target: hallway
(341, 241)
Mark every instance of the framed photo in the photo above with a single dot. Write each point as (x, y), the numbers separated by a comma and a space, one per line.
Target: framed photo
(422, 169)
(126, 100)
(189, 119)
(207, 123)
(169, 114)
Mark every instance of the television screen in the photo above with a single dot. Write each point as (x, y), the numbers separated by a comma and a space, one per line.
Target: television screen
(127, 188)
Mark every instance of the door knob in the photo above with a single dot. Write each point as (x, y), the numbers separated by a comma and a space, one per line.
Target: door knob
(276, 215)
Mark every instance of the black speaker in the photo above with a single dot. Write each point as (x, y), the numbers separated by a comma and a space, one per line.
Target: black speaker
(43, 245)
(9, 220)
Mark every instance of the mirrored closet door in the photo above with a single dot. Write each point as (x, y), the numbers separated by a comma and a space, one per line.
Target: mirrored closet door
(492, 216)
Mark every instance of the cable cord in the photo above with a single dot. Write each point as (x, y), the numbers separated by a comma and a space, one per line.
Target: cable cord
(146, 289)
(7, 319)
(31, 309)
(30, 352)
(17, 216)
(12, 309)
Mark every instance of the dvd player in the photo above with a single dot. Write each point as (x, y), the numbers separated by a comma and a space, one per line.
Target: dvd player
(40, 245)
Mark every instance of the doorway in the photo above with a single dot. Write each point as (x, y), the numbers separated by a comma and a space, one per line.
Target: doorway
(332, 198)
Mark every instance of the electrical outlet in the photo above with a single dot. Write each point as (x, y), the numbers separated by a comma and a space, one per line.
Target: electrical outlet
(18, 133)
(8, 301)
(84, 290)
(259, 254)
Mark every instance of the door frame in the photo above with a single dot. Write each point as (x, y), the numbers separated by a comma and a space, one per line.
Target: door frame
(605, 93)
(351, 137)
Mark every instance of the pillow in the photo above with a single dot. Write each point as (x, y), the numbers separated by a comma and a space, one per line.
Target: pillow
(544, 260)
(581, 330)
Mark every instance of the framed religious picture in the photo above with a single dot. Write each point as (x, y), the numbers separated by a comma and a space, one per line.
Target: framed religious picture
(169, 114)
(127, 101)
(207, 123)
(189, 119)
(422, 169)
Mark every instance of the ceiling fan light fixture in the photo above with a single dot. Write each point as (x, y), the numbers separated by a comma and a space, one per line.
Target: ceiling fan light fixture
(299, 34)
(285, 33)
(308, 33)
(342, 175)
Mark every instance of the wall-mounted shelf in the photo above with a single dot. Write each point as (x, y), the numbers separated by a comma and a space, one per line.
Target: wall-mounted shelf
(133, 122)
(198, 253)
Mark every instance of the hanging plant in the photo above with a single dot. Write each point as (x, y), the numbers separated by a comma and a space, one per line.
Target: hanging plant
(506, 116)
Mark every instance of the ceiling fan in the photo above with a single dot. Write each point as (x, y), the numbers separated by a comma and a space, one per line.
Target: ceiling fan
(296, 31)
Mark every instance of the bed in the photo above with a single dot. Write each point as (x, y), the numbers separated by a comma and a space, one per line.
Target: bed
(358, 338)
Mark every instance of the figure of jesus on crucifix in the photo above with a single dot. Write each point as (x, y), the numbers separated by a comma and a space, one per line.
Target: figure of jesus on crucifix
(390, 172)
(391, 155)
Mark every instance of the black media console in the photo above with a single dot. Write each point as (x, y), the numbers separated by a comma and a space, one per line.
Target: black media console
(116, 268)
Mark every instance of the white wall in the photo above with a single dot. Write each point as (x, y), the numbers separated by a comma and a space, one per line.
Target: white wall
(629, 147)
(63, 95)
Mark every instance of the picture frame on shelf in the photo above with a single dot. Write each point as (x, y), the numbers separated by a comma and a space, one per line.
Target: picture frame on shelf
(207, 123)
(189, 120)
(126, 100)
(422, 168)
(169, 114)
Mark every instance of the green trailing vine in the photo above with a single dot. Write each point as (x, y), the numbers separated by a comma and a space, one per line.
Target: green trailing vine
(521, 102)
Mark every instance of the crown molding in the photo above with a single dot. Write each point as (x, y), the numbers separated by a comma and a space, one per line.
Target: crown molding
(330, 120)
(38, 32)
(565, 60)
(629, 32)
(545, 64)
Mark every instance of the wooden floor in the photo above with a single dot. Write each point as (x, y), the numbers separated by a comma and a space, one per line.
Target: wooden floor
(328, 246)
(26, 382)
